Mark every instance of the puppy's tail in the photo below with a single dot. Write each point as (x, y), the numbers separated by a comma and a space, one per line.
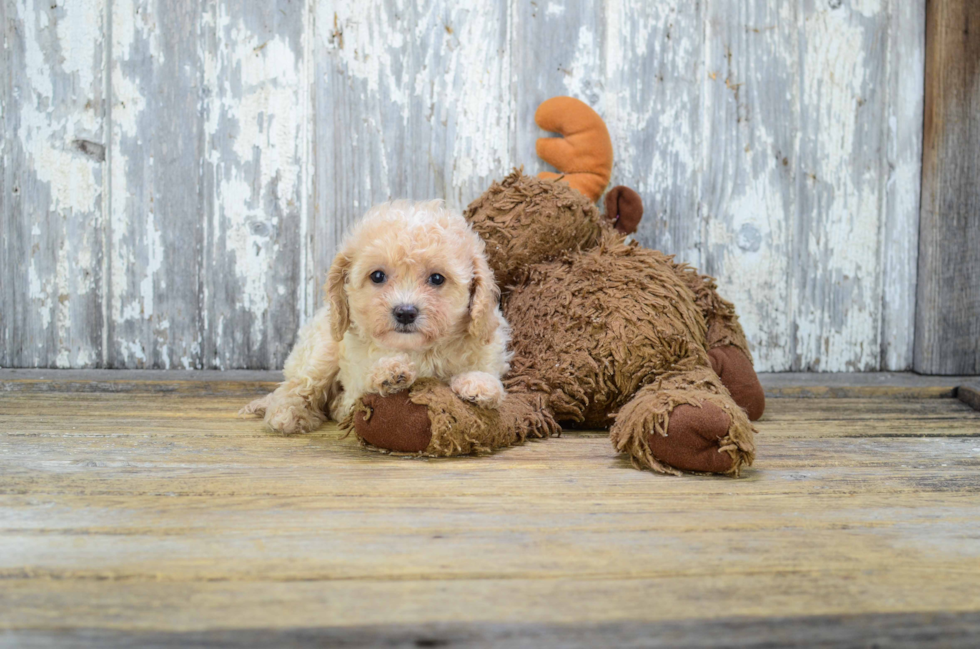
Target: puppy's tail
(584, 155)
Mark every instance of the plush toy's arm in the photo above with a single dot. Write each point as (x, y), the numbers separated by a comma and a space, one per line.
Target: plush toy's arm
(584, 156)
(431, 420)
(719, 313)
(727, 346)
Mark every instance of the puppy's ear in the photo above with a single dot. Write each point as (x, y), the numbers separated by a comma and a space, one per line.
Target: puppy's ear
(337, 296)
(484, 296)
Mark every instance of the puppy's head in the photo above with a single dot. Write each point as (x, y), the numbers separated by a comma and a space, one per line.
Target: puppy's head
(411, 275)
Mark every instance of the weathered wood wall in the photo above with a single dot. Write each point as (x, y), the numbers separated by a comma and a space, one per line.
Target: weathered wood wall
(177, 174)
(948, 300)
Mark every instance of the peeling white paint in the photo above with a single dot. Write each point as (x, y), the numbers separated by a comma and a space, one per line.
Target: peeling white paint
(734, 157)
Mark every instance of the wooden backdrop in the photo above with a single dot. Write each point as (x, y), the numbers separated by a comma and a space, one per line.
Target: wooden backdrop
(177, 173)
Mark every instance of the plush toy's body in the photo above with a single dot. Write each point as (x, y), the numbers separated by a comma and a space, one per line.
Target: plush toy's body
(605, 334)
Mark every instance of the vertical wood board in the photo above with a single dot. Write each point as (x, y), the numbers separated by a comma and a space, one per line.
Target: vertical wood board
(256, 165)
(51, 192)
(947, 330)
(158, 198)
(412, 101)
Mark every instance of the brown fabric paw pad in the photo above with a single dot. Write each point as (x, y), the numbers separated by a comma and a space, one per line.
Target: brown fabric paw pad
(735, 370)
(693, 439)
(393, 423)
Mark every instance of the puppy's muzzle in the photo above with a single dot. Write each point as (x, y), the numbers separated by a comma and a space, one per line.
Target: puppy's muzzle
(405, 314)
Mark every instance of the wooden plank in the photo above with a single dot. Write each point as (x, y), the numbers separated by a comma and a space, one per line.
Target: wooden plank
(841, 176)
(257, 159)
(215, 406)
(903, 181)
(788, 384)
(970, 395)
(118, 510)
(901, 631)
(751, 156)
(641, 68)
(947, 318)
(897, 385)
(157, 195)
(412, 101)
(51, 191)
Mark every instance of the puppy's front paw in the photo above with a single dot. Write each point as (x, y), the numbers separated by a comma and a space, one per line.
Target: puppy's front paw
(291, 419)
(392, 374)
(483, 389)
(257, 407)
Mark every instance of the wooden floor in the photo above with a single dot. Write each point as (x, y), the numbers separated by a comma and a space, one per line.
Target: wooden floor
(150, 515)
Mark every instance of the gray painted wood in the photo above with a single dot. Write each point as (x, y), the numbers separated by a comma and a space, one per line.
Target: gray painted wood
(776, 145)
(257, 165)
(900, 233)
(158, 196)
(947, 337)
(840, 179)
(749, 184)
(412, 101)
(51, 198)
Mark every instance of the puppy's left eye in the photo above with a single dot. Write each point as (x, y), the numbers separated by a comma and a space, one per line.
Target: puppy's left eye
(378, 277)
(436, 279)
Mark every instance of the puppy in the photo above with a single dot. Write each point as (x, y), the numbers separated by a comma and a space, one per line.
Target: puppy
(409, 295)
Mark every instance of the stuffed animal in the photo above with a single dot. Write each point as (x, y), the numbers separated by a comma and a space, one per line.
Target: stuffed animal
(605, 333)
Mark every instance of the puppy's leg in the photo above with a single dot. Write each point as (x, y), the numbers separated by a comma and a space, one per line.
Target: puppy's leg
(257, 407)
(482, 388)
(392, 374)
(298, 404)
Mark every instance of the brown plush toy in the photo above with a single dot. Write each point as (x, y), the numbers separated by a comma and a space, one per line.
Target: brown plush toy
(605, 333)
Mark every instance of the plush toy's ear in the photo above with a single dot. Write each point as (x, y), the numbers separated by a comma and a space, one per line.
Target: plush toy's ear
(484, 296)
(584, 156)
(337, 296)
(624, 208)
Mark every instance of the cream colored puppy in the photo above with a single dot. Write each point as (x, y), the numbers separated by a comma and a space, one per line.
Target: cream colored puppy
(409, 295)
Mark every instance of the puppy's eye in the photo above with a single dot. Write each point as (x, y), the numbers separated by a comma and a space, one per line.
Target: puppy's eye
(436, 279)
(378, 277)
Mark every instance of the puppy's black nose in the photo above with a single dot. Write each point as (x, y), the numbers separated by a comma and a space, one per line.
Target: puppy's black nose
(405, 313)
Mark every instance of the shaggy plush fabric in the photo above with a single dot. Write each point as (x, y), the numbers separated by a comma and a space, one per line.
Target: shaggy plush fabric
(524, 221)
(431, 420)
(644, 427)
(597, 325)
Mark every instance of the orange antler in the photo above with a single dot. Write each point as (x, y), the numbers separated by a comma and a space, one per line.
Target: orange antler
(584, 156)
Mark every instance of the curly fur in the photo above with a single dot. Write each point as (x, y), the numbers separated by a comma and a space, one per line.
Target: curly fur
(355, 344)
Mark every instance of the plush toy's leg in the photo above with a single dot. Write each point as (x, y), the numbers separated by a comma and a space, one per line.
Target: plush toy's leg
(430, 419)
(737, 374)
(685, 421)
(726, 343)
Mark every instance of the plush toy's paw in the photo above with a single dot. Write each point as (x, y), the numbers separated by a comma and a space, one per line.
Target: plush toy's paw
(392, 374)
(393, 423)
(483, 389)
(693, 439)
(735, 370)
(257, 407)
(431, 419)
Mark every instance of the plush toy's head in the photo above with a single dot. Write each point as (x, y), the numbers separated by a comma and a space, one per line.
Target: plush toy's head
(526, 220)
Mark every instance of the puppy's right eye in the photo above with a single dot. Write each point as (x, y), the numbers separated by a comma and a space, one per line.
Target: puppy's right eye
(378, 277)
